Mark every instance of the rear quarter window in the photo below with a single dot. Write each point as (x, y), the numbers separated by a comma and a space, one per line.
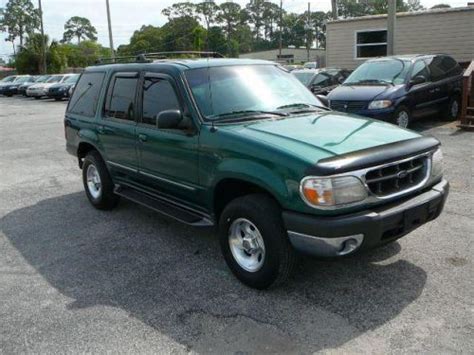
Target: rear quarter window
(86, 94)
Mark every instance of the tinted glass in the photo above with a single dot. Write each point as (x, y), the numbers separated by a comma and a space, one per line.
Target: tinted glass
(372, 51)
(121, 98)
(304, 77)
(372, 37)
(441, 67)
(420, 69)
(380, 71)
(54, 79)
(86, 95)
(226, 90)
(158, 96)
(323, 79)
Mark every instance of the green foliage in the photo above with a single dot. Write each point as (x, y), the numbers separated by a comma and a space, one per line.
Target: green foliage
(80, 28)
(441, 6)
(354, 8)
(19, 18)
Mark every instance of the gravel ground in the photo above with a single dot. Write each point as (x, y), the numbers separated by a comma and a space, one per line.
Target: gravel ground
(74, 279)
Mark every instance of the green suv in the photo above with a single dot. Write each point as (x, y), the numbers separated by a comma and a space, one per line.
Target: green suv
(242, 145)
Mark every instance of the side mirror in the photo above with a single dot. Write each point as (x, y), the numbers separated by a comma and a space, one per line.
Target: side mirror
(315, 87)
(169, 119)
(419, 79)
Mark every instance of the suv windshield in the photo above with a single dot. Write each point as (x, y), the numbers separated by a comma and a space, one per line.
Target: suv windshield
(222, 92)
(387, 71)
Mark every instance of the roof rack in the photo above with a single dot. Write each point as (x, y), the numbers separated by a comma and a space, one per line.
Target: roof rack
(147, 57)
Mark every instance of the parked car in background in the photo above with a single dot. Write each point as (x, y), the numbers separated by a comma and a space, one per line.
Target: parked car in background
(243, 145)
(310, 65)
(12, 88)
(41, 89)
(321, 81)
(34, 80)
(400, 89)
(291, 67)
(61, 90)
(7, 80)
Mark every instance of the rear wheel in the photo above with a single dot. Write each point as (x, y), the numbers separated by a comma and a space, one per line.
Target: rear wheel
(37, 97)
(451, 112)
(98, 183)
(254, 241)
(402, 117)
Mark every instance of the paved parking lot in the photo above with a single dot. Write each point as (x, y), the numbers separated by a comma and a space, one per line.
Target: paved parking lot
(74, 279)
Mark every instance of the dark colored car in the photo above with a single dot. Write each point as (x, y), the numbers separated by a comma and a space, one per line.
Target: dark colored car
(400, 89)
(321, 81)
(244, 146)
(12, 89)
(36, 80)
(61, 90)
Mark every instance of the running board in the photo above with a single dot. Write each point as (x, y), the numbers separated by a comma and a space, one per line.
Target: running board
(163, 206)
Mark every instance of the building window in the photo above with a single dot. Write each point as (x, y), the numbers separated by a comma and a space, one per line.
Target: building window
(371, 43)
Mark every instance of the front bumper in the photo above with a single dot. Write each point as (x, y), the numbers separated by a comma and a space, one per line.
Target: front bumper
(343, 235)
(385, 114)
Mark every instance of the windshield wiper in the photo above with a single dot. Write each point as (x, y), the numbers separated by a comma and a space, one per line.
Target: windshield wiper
(309, 107)
(247, 113)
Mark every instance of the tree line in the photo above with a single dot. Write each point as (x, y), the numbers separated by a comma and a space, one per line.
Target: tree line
(20, 21)
(228, 28)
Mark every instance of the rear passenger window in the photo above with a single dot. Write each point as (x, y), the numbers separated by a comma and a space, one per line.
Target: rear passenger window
(86, 94)
(158, 96)
(121, 97)
(442, 67)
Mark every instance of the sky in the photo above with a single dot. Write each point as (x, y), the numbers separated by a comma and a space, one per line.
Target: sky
(130, 15)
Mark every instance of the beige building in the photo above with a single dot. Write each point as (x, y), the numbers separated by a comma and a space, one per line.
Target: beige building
(350, 42)
(289, 55)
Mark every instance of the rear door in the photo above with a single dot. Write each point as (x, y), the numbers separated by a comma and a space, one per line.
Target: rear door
(168, 157)
(117, 127)
(445, 73)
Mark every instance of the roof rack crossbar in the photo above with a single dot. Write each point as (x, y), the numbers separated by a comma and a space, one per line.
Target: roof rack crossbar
(146, 57)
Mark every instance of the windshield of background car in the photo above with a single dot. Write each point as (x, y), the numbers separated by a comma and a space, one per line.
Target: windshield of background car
(23, 79)
(54, 79)
(42, 79)
(72, 79)
(393, 71)
(223, 90)
(8, 79)
(304, 77)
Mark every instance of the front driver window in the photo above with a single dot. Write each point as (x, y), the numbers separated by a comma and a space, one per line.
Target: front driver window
(420, 69)
(158, 96)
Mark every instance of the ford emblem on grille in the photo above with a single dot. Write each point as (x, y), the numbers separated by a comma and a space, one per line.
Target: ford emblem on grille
(345, 107)
(402, 174)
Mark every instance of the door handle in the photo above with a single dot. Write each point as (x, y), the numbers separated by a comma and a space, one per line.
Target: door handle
(104, 130)
(142, 137)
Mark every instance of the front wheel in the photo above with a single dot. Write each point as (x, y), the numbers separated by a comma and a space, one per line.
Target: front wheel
(402, 117)
(254, 241)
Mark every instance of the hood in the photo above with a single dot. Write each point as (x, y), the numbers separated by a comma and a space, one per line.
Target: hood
(325, 134)
(364, 92)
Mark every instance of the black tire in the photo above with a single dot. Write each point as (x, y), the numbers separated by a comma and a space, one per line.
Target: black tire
(448, 112)
(37, 97)
(58, 99)
(397, 117)
(265, 214)
(106, 200)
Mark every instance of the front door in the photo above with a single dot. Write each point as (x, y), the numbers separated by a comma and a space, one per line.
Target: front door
(168, 158)
(117, 128)
(423, 96)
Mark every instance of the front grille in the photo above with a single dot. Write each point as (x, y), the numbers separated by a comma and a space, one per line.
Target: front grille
(398, 177)
(348, 106)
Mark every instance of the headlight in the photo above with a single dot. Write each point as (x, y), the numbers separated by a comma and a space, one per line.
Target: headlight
(332, 191)
(378, 104)
(437, 164)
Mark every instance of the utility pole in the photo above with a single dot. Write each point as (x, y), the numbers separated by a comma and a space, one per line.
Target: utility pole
(44, 67)
(111, 39)
(308, 31)
(281, 29)
(334, 9)
(391, 26)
